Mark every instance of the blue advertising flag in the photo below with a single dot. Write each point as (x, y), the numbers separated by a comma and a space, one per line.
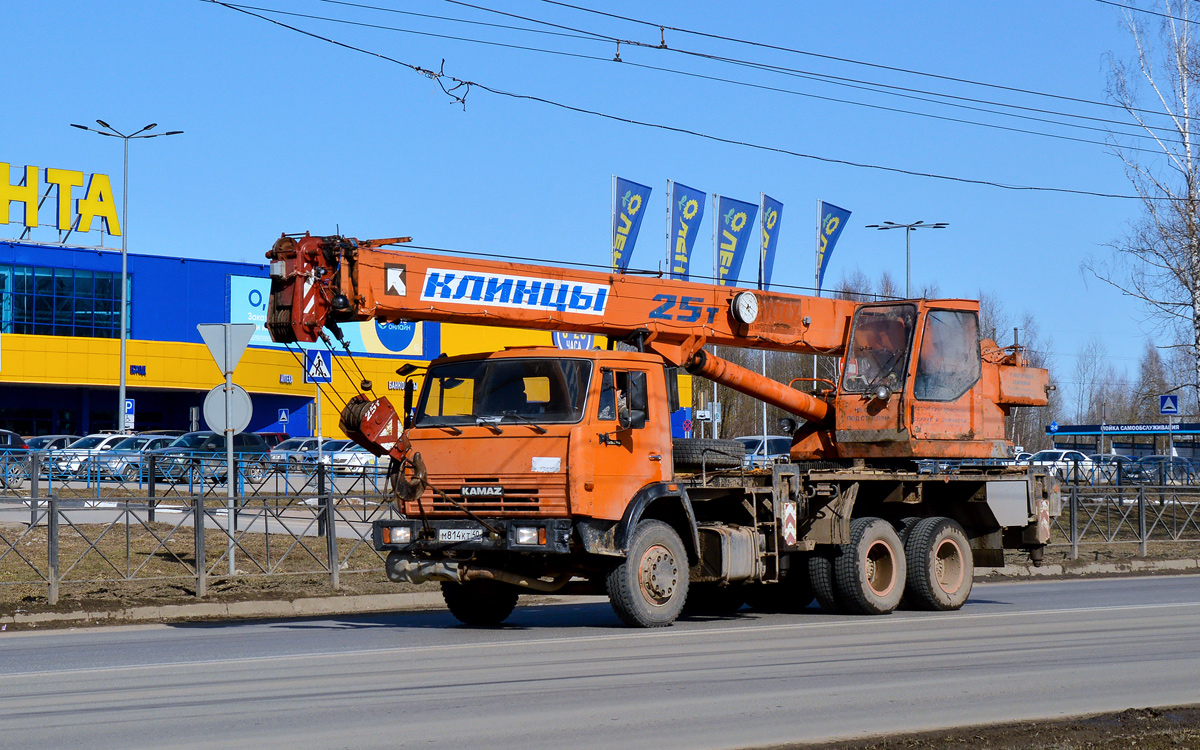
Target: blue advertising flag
(833, 221)
(629, 204)
(772, 212)
(737, 219)
(687, 211)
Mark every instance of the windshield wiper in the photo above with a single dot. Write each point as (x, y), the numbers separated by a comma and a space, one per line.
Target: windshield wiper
(492, 423)
(536, 427)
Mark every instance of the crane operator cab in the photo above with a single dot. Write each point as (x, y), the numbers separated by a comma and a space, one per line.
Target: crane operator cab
(909, 373)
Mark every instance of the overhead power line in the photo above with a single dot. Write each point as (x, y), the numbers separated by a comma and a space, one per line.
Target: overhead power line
(847, 60)
(731, 81)
(838, 80)
(465, 87)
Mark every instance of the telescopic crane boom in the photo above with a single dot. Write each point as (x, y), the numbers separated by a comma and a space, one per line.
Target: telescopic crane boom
(916, 380)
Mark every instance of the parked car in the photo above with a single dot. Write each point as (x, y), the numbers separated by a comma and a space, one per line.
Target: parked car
(355, 459)
(1164, 470)
(76, 460)
(292, 451)
(50, 442)
(273, 438)
(778, 449)
(124, 460)
(1069, 464)
(14, 459)
(1109, 468)
(328, 448)
(201, 455)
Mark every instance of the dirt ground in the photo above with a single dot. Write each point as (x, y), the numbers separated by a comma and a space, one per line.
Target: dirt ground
(1175, 728)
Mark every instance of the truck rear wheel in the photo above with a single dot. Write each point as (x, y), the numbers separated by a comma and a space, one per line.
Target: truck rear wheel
(820, 574)
(940, 568)
(869, 574)
(480, 603)
(690, 454)
(649, 587)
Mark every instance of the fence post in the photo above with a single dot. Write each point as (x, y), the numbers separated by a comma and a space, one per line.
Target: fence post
(198, 533)
(321, 520)
(34, 471)
(152, 468)
(1074, 514)
(52, 549)
(1142, 519)
(331, 546)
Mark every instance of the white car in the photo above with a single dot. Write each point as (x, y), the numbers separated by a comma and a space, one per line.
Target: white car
(1068, 464)
(76, 460)
(357, 460)
(779, 449)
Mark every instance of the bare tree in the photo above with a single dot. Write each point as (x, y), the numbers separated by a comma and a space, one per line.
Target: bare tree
(1158, 260)
(1089, 375)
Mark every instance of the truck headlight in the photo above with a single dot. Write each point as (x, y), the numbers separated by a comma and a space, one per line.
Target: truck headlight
(397, 534)
(527, 535)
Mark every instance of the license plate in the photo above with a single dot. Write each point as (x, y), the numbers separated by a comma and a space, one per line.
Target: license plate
(459, 535)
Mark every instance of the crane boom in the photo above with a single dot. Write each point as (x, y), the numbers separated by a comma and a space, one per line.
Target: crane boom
(343, 279)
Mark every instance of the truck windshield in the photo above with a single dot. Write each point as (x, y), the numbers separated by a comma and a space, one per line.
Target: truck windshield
(878, 353)
(513, 390)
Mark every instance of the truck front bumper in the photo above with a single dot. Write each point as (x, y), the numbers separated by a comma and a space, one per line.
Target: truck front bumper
(412, 536)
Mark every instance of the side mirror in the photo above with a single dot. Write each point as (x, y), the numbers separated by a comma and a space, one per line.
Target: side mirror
(409, 388)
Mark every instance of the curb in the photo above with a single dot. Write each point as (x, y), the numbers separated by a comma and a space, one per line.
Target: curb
(415, 602)
(1059, 570)
(305, 607)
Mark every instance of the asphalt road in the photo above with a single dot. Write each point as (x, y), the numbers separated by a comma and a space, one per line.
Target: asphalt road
(571, 676)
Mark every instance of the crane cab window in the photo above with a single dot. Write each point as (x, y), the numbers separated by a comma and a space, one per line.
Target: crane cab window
(949, 362)
(614, 404)
(879, 344)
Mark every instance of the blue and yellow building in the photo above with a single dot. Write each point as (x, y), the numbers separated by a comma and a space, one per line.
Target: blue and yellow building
(60, 349)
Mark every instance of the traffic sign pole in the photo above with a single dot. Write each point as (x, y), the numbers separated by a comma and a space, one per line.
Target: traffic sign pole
(230, 479)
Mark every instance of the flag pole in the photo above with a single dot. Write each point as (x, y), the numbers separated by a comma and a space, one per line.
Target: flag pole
(817, 279)
(716, 280)
(614, 222)
(762, 286)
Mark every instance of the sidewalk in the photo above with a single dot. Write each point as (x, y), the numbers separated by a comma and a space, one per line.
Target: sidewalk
(413, 602)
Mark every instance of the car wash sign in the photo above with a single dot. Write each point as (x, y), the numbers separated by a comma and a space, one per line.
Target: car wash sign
(48, 197)
(487, 289)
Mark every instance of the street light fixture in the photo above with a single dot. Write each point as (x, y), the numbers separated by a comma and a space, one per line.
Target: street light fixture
(908, 230)
(112, 132)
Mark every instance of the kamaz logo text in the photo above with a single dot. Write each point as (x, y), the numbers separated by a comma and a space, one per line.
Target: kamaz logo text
(463, 287)
(471, 491)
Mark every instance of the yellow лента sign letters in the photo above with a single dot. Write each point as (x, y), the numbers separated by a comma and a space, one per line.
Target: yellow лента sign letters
(97, 203)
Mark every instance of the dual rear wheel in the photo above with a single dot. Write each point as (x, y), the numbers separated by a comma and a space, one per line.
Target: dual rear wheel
(926, 565)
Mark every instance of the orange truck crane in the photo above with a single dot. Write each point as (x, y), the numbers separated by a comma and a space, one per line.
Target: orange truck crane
(536, 469)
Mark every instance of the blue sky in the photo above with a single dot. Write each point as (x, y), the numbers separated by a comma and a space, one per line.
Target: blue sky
(284, 132)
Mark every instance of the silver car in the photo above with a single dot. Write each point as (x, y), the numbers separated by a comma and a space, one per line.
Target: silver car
(77, 459)
(124, 460)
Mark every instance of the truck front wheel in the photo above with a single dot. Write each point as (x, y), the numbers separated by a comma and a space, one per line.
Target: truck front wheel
(869, 574)
(480, 603)
(648, 588)
(940, 567)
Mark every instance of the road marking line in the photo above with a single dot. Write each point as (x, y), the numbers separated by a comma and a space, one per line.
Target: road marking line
(950, 617)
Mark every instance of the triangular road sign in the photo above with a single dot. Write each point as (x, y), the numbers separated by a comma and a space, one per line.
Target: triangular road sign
(214, 338)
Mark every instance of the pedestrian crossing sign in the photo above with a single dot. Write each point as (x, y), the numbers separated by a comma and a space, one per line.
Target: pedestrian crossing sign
(318, 366)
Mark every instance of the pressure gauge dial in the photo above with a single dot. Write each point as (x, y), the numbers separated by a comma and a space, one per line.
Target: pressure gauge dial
(745, 308)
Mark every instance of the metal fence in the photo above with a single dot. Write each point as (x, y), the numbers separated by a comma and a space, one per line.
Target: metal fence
(1129, 515)
(178, 524)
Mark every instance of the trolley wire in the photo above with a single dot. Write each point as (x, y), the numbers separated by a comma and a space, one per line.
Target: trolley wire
(467, 85)
(870, 86)
(816, 77)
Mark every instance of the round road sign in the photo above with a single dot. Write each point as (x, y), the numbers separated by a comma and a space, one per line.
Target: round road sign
(240, 408)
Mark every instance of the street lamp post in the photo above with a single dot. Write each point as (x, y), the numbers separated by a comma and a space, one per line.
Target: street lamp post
(908, 230)
(112, 132)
